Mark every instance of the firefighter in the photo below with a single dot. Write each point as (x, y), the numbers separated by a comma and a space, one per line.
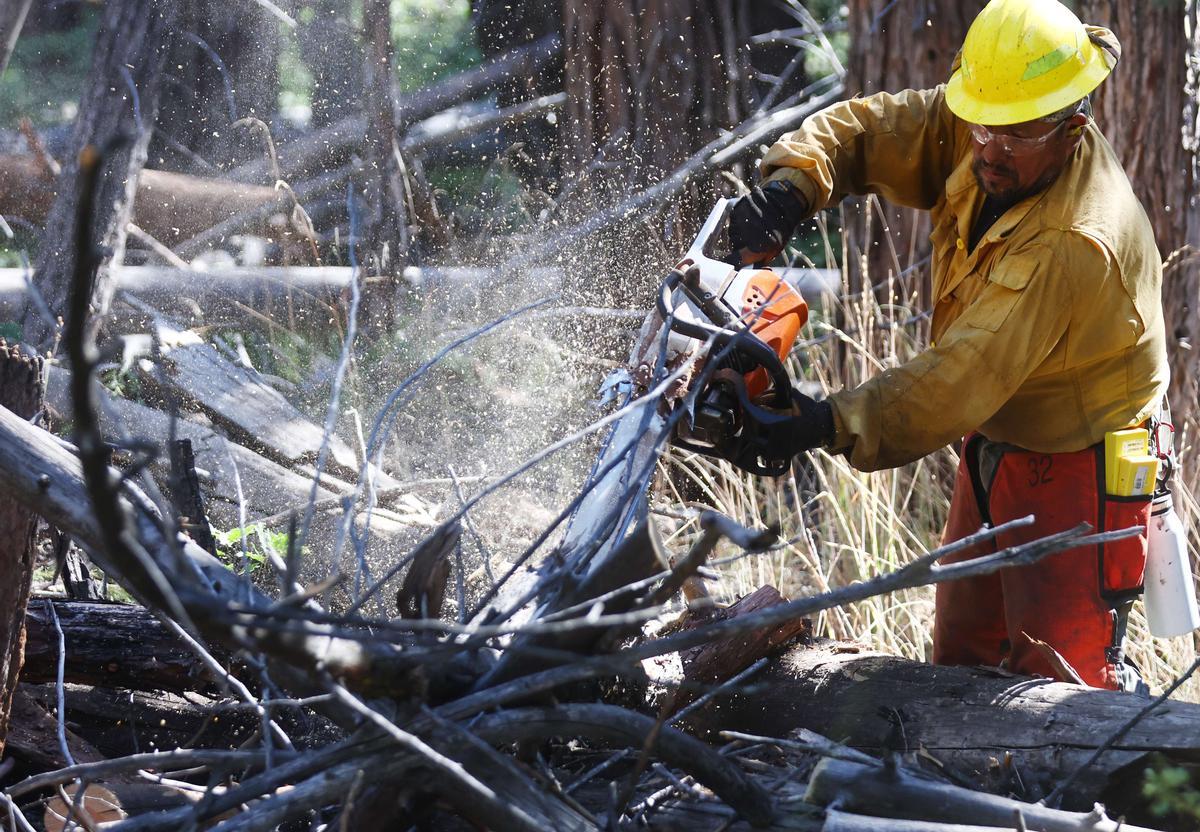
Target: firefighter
(1047, 328)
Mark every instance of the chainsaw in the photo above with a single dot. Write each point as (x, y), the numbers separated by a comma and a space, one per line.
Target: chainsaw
(738, 323)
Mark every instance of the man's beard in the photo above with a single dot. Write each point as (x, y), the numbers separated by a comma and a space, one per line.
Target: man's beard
(1005, 192)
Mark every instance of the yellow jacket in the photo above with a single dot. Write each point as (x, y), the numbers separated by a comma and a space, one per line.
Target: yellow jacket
(1047, 335)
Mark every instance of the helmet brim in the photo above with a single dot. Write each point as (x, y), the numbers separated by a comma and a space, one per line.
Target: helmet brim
(970, 107)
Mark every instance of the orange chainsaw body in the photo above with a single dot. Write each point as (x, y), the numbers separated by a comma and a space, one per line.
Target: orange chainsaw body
(776, 312)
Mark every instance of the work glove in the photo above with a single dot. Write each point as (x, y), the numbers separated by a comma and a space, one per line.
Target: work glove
(782, 434)
(762, 221)
(811, 425)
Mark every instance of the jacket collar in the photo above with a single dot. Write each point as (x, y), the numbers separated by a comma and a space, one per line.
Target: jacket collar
(964, 198)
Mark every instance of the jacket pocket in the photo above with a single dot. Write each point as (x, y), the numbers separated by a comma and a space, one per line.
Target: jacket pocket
(991, 309)
(1002, 289)
(1123, 562)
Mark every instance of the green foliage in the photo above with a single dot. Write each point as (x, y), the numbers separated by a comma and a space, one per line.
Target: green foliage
(816, 65)
(260, 543)
(46, 74)
(125, 385)
(1170, 791)
(10, 258)
(286, 354)
(483, 197)
(10, 331)
(295, 81)
(816, 244)
(433, 39)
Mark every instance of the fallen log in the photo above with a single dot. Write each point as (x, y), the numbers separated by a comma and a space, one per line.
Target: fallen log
(156, 284)
(990, 729)
(267, 487)
(111, 645)
(170, 207)
(118, 721)
(33, 737)
(255, 215)
(241, 401)
(37, 470)
(446, 133)
(269, 491)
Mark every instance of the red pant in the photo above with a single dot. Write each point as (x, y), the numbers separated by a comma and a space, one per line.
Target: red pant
(1069, 599)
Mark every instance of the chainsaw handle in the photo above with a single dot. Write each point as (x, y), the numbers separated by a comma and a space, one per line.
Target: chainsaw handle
(759, 442)
(742, 341)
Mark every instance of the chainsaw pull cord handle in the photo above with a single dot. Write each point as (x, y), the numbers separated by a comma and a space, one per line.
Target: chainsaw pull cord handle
(742, 341)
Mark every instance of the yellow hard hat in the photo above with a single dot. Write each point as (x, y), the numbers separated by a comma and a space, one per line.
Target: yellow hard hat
(1022, 60)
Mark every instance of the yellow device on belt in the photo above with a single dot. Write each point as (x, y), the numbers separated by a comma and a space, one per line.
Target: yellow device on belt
(1129, 470)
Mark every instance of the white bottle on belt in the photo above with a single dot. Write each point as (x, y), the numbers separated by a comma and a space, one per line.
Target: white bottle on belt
(1170, 595)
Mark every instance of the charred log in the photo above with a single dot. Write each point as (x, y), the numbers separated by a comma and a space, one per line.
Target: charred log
(989, 729)
(111, 645)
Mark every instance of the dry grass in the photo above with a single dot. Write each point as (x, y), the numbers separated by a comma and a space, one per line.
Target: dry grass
(842, 525)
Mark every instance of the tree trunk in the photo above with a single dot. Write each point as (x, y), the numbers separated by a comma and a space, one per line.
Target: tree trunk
(333, 54)
(501, 25)
(1159, 44)
(385, 228)
(650, 82)
(223, 67)
(120, 721)
(21, 391)
(116, 117)
(895, 45)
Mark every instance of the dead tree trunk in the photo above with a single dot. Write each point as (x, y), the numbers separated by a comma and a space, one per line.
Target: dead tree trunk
(21, 391)
(1157, 73)
(116, 116)
(893, 46)
(401, 221)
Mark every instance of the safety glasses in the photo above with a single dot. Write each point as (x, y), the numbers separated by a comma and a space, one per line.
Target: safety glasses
(1013, 145)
